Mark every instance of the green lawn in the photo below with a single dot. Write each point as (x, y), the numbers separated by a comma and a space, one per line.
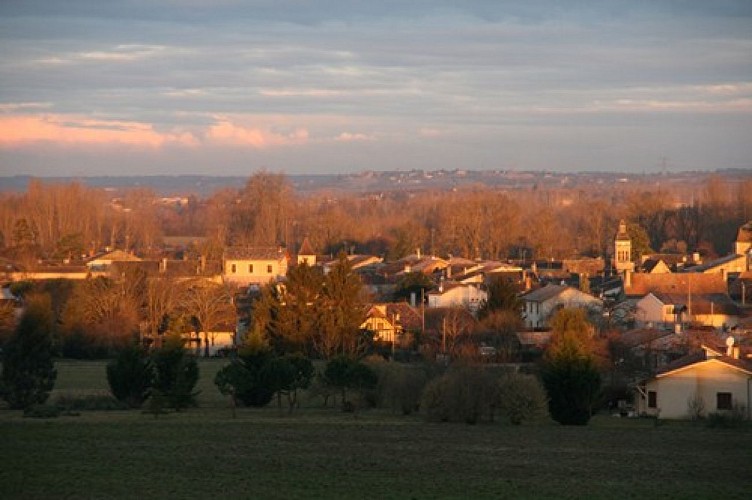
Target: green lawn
(319, 453)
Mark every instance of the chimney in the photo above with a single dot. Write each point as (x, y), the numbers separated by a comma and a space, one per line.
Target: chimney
(449, 272)
(163, 265)
(417, 252)
(730, 348)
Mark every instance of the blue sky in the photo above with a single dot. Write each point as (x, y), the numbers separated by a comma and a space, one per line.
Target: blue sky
(227, 87)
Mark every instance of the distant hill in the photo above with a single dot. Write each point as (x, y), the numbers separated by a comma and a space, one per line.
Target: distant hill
(381, 181)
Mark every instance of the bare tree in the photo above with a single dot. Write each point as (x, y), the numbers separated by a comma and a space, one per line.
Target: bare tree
(209, 305)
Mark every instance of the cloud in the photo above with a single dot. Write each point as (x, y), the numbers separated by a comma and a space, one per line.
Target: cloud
(17, 106)
(19, 130)
(353, 137)
(227, 132)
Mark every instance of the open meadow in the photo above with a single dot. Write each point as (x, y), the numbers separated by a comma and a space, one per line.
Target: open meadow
(324, 453)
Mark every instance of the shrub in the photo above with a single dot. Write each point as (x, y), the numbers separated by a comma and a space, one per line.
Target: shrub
(463, 394)
(521, 398)
(727, 419)
(41, 411)
(28, 373)
(130, 376)
(176, 375)
(89, 402)
(695, 407)
(400, 387)
(345, 373)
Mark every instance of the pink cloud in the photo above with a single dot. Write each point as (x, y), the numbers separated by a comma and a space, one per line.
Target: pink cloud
(226, 132)
(18, 130)
(352, 137)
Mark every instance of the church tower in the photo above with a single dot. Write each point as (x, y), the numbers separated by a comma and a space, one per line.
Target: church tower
(623, 250)
(306, 255)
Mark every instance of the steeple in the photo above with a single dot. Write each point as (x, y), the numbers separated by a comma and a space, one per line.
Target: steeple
(623, 249)
(306, 255)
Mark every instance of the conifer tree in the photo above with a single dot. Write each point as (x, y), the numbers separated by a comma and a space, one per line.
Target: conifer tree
(29, 373)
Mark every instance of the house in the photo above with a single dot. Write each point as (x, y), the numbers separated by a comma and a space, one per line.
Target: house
(465, 295)
(669, 309)
(104, 261)
(389, 321)
(245, 266)
(743, 243)
(654, 266)
(697, 384)
(729, 264)
(540, 304)
(637, 285)
(653, 348)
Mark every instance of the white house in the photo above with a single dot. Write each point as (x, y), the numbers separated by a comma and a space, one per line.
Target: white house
(465, 295)
(245, 266)
(104, 261)
(668, 309)
(705, 382)
(540, 304)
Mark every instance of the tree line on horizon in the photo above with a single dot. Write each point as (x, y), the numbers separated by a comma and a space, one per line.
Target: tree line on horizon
(66, 221)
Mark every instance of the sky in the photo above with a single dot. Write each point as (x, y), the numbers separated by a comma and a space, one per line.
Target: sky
(224, 87)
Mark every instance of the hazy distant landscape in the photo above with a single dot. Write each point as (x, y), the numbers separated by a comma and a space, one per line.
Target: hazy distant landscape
(396, 180)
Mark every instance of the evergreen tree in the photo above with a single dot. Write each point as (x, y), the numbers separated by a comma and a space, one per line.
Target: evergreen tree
(569, 371)
(176, 374)
(130, 376)
(28, 373)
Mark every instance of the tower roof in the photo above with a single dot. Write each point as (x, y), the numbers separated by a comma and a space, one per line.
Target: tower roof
(622, 234)
(306, 248)
(745, 233)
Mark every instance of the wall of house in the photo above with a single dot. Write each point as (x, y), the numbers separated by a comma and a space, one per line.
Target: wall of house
(261, 272)
(463, 296)
(704, 379)
(715, 320)
(651, 310)
(538, 313)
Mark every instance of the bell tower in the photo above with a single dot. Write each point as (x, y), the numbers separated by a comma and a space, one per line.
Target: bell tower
(623, 249)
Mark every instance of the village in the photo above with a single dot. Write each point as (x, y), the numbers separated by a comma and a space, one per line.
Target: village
(673, 327)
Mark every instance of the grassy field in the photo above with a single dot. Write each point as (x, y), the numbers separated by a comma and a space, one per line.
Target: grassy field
(319, 453)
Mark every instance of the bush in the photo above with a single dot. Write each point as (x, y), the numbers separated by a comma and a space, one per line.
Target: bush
(463, 394)
(131, 376)
(28, 373)
(89, 402)
(521, 398)
(41, 411)
(242, 379)
(400, 387)
(345, 373)
(176, 375)
(727, 419)
(695, 407)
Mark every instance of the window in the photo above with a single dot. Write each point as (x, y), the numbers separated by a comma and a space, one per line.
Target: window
(250, 268)
(269, 269)
(234, 269)
(652, 399)
(723, 401)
